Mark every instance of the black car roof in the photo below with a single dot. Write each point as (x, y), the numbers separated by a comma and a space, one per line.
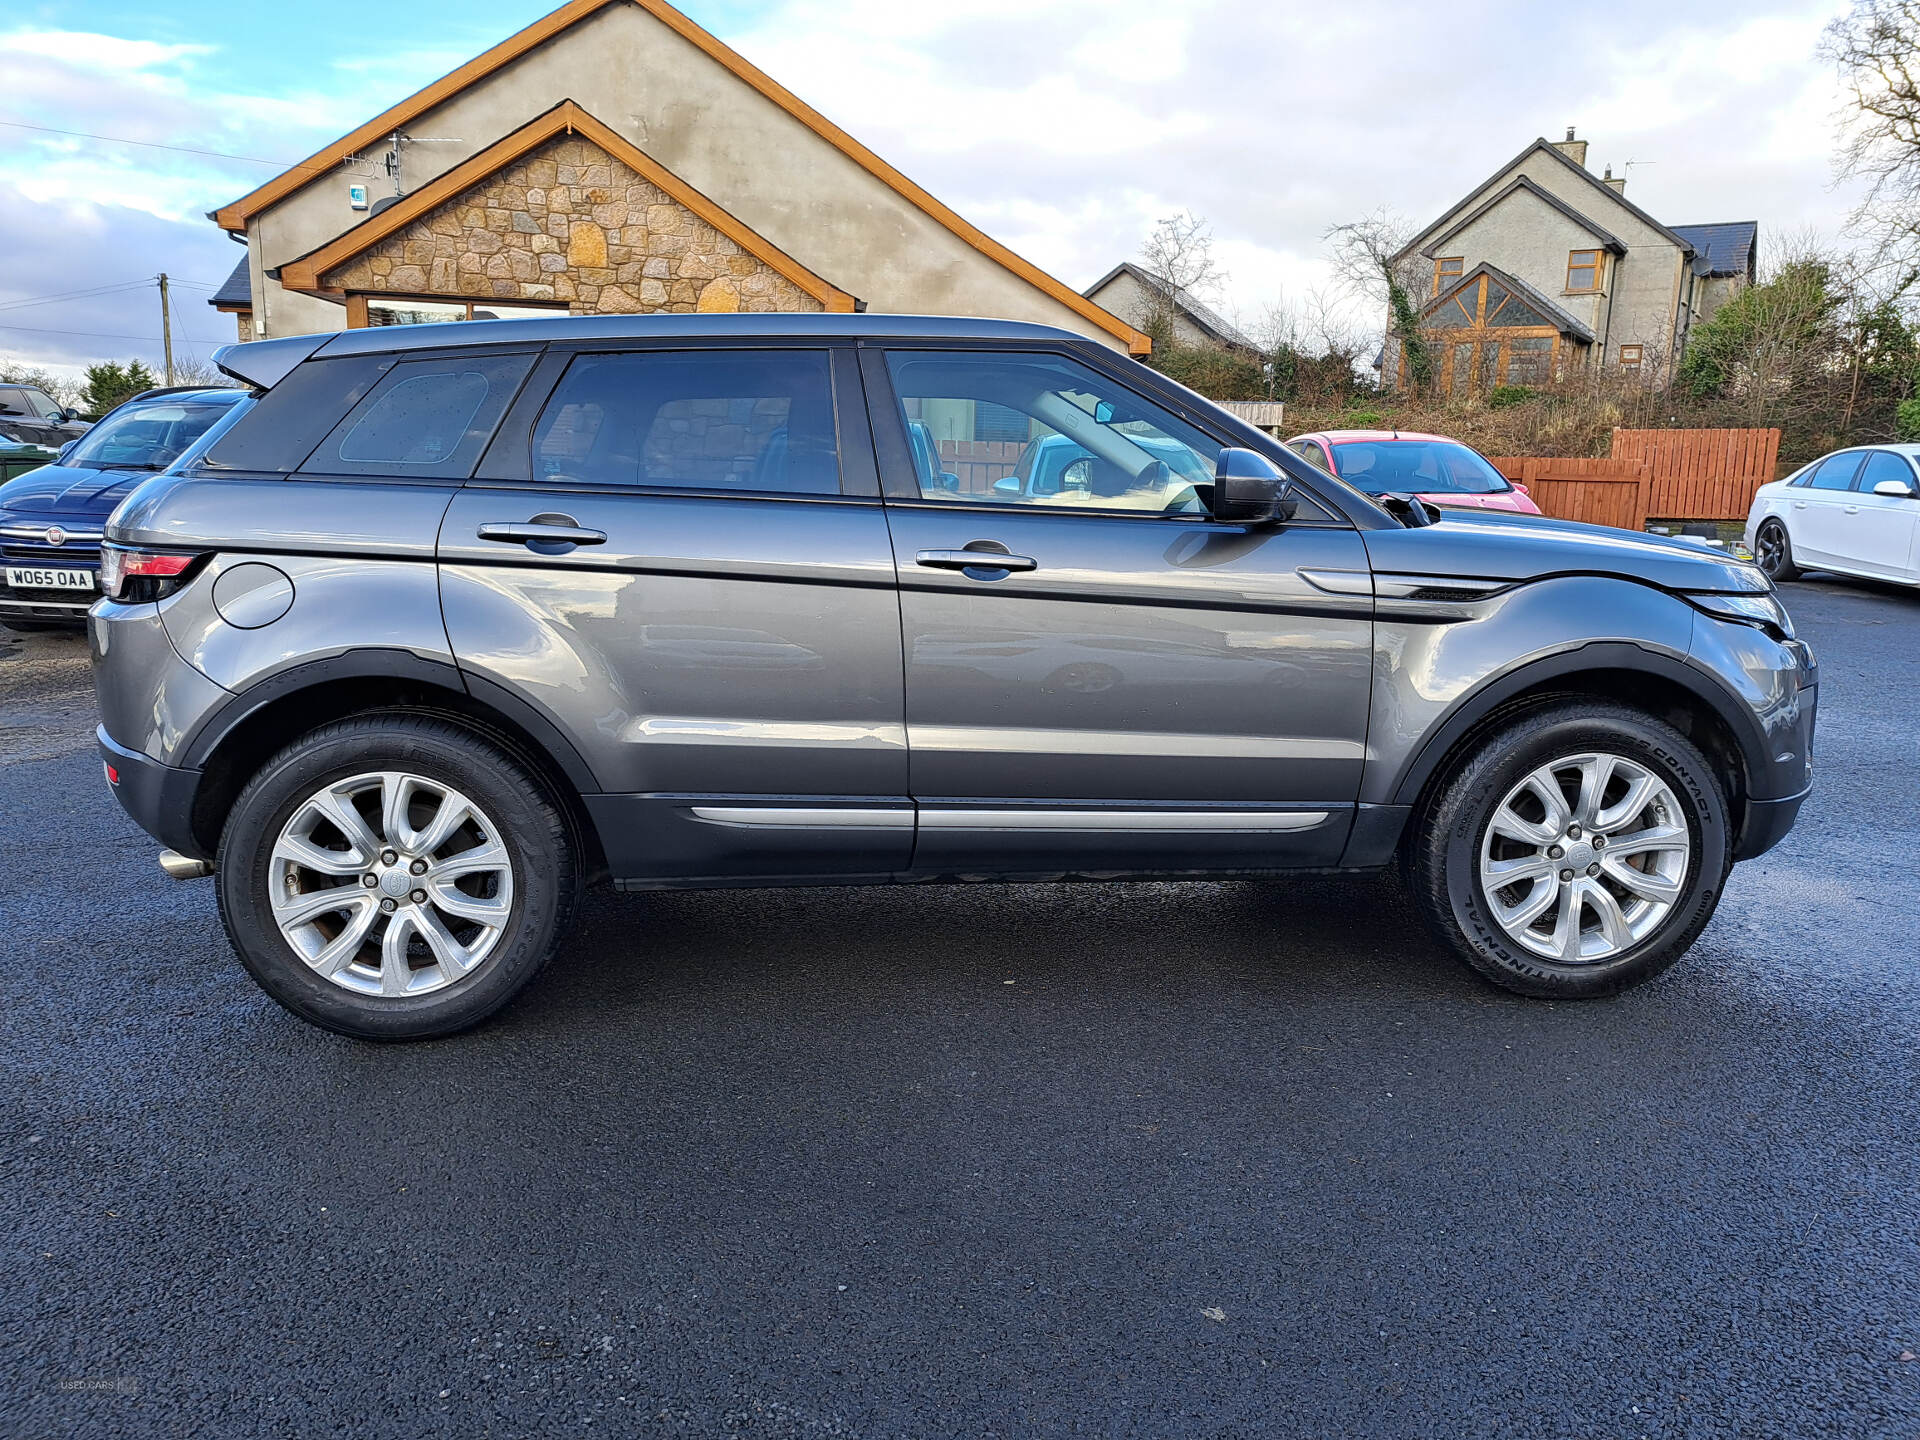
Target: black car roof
(266, 362)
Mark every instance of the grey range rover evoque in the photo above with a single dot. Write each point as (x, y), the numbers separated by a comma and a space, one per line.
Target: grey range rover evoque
(460, 618)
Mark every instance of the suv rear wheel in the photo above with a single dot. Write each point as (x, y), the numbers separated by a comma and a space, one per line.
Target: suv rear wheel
(394, 877)
(1579, 850)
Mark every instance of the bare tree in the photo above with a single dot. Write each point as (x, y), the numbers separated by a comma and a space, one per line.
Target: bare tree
(1179, 257)
(1370, 259)
(1876, 46)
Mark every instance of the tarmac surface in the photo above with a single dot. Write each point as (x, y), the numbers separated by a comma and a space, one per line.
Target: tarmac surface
(1148, 1160)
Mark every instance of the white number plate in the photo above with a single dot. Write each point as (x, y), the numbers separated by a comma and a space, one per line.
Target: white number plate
(21, 577)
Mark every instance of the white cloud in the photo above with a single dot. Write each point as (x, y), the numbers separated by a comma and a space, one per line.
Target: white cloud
(1063, 127)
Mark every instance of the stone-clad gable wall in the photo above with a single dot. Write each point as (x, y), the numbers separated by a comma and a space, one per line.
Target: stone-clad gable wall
(569, 222)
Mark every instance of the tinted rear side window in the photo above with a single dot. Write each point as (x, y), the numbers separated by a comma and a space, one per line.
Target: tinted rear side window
(716, 420)
(1836, 472)
(296, 414)
(427, 419)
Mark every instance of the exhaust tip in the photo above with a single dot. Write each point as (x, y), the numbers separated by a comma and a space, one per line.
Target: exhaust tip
(184, 867)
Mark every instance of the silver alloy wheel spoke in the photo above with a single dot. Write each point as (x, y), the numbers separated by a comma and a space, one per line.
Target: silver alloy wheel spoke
(389, 927)
(1580, 881)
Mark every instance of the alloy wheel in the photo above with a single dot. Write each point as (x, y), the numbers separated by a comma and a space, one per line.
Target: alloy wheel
(1770, 548)
(1585, 858)
(391, 884)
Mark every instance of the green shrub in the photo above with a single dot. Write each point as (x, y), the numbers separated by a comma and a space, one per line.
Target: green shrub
(1361, 419)
(1906, 420)
(1502, 396)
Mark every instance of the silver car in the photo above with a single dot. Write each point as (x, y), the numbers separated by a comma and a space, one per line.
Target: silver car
(458, 619)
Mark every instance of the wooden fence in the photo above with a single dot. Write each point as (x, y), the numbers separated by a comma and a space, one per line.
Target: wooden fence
(1599, 492)
(979, 463)
(1701, 474)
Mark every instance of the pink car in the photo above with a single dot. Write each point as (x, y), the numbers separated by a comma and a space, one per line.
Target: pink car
(1433, 467)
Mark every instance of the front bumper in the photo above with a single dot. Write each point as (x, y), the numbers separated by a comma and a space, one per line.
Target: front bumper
(1768, 822)
(158, 797)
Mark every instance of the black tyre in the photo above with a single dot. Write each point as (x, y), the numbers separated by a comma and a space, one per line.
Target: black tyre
(1578, 850)
(1773, 551)
(394, 877)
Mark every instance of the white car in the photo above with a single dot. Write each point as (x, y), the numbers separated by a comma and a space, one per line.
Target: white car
(1854, 512)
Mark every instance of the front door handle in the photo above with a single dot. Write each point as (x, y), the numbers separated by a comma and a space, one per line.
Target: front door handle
(542, 530)
(1799, 504)
(975, 560)
(1853, 509)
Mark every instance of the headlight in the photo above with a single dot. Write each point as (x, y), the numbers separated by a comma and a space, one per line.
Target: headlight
(1764, 611)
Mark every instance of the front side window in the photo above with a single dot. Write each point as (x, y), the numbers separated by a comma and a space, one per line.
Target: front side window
(1418, 467)
(1583, 270)
(1044, 430)
(147, 436)
(426, 419)
(1836, 472)
(716, 420)
(28, 401)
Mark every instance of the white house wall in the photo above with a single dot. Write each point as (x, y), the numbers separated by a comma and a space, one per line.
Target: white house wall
(717, 133)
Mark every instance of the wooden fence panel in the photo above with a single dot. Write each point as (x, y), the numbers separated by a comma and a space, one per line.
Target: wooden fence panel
(979, 463)
(1597, 492)
(1702, 474)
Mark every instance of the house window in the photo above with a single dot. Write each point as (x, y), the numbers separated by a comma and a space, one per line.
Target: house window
(401, 310)
(1630, 358)
(1583, 271)
(1446, 270)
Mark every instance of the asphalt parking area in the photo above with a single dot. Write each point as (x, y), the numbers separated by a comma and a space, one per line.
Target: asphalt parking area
(1156, 1160)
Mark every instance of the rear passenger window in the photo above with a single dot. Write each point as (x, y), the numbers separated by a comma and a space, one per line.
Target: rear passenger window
(428, 419)
(726, 420)
(1836, 472)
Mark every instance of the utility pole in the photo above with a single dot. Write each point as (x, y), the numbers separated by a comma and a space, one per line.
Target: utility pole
(166, 327)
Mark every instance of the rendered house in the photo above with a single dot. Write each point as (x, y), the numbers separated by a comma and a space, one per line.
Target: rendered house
(1545, 266)
(1136, 295)
(614, 157)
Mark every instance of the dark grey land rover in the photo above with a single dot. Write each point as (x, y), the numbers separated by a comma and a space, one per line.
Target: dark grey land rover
(460, 617)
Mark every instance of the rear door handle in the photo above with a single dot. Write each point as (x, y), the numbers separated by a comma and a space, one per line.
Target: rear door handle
(1853, 509)
(975, 560)
(541, 532)
(1799, 504)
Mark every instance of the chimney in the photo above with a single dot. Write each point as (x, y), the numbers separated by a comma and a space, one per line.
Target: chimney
(1574, 150)
(1619, 187)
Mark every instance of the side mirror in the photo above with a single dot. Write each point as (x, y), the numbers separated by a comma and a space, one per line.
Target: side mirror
(70, 413)
(1249, 489)
(1897, 489)
(1005, 485)
(64, 448)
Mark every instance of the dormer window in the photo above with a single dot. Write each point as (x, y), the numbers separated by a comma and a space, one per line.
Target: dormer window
(1446, 270)
(1583, 271)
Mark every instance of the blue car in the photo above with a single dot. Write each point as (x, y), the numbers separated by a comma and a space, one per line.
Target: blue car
(50, 518)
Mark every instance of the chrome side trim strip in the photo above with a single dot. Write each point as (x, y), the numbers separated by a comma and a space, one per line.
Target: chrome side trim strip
(1339, 582)
(804, 817)
(1232, 821)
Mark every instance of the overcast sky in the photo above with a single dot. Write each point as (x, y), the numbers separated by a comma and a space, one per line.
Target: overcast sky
(1063, 127)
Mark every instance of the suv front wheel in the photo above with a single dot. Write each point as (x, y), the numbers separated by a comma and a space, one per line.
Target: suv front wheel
(394, 877)
(1578, 850)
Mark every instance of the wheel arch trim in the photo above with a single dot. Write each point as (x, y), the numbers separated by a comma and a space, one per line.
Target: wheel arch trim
(375, 663)
(1594, 656)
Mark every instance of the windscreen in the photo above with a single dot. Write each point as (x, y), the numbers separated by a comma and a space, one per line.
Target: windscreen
(148, 436)
(1419, 467)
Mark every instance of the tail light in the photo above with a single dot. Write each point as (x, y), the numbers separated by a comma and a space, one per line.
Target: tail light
(134, 575)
